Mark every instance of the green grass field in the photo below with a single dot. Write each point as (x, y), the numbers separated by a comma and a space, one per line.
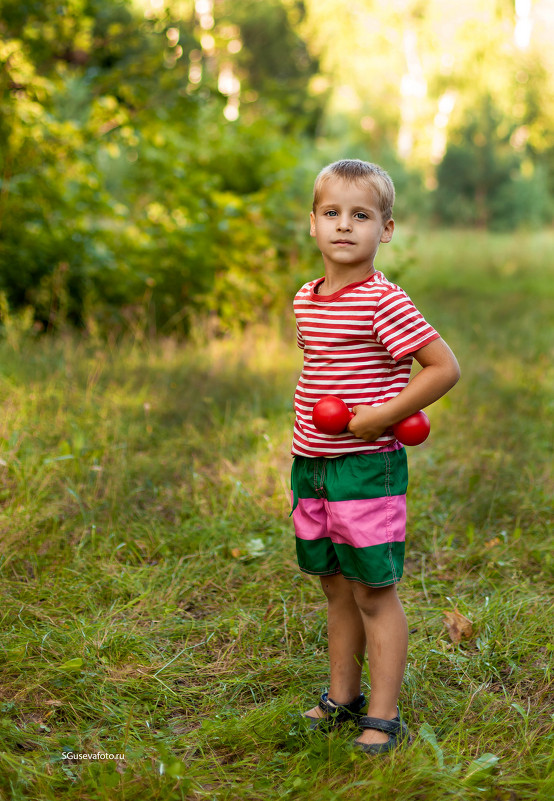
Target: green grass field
(151, 603)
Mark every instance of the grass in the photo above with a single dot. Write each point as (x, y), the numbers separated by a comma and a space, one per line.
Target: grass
(151, 603)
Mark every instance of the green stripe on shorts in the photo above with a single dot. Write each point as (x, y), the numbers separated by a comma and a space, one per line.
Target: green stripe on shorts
(384, 563)
(355, 476)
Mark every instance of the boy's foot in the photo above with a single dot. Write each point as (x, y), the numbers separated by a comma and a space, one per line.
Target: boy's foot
(380, 736)
(372, 736)
(315, 713)
(328, 714)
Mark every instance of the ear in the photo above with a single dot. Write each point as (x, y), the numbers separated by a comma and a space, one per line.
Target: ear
(388, 231)
(312, 224)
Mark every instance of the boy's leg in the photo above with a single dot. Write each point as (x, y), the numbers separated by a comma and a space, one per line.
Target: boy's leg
(346, 636)
(386, 631)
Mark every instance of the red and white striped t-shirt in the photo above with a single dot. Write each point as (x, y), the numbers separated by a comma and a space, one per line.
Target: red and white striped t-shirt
(357, 345)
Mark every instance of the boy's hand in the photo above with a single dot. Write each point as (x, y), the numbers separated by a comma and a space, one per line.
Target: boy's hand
(440, 372)
(368, 422)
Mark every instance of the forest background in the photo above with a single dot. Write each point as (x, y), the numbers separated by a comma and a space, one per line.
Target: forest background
(157, 157)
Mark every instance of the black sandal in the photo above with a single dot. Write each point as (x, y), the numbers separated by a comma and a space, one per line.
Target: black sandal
(337, 714)
(395, 728)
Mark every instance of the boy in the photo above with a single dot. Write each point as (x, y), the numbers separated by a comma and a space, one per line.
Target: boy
(360, 334)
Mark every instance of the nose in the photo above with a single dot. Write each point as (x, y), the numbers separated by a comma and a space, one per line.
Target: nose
(344, 223)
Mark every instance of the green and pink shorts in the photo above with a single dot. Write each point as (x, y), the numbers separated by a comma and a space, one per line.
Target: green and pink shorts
(349, 515)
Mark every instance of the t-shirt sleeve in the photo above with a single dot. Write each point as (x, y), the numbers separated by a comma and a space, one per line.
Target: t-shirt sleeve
(399, 326)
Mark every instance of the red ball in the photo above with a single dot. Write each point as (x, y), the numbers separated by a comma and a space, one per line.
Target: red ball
(330, 415)
(413, 430)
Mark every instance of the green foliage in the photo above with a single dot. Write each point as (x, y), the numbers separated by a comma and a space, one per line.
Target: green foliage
(125, 193)
(482, 180)
(424, 77)
(276, 59)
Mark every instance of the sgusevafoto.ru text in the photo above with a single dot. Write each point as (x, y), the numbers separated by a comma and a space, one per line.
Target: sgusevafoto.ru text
(97, 755)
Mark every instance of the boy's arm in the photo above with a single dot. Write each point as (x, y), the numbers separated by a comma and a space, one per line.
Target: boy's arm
(439, 374)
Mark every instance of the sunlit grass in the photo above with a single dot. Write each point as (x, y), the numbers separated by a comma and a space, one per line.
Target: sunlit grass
(151, 601)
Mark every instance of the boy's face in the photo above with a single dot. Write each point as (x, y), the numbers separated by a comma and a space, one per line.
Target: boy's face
(348, 225)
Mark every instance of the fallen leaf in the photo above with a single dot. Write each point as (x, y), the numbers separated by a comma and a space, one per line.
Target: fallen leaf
(480, 767)
(427, 733)
(493, 542)
(72, 664)
(256, 547)
(458, 625)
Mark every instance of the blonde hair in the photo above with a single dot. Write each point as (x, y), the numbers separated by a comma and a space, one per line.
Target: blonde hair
(359, 171)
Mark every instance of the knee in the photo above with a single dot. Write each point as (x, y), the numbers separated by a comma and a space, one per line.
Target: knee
(337, 589)
(372, 601)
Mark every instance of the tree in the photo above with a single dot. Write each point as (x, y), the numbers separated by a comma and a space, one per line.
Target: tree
(126, 181)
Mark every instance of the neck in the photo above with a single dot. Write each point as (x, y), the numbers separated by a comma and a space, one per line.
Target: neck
(335, 281)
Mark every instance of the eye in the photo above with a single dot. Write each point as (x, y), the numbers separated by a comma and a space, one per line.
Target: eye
(331, 213)
(361, 216)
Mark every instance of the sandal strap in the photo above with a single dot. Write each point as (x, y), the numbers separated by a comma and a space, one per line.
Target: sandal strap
(394, 726)
(330, 707)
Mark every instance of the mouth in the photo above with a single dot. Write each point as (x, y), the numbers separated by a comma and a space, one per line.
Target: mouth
(342, 242)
